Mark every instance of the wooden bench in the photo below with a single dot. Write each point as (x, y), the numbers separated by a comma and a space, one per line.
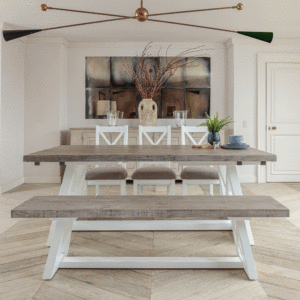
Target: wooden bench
(66, 209)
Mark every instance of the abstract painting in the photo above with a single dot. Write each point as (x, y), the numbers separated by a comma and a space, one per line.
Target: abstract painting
(188, 89)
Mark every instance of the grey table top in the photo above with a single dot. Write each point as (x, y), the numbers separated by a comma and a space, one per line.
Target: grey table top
(91, 153)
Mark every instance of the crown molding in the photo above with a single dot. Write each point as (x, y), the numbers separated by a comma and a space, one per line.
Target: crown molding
(278, 57)
(49, 40)
(249, 41)
(141, 45)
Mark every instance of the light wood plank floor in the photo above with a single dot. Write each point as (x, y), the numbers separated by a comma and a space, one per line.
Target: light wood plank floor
(277, 255)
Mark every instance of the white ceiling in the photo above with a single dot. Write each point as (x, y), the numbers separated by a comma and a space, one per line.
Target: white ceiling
(278, 16)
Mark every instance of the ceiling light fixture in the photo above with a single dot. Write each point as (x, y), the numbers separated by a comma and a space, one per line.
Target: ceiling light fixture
(142, 15)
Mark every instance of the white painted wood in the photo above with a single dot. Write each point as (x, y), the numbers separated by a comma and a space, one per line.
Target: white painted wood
(263, 60)
(186, 131)
(102, 131)
(152, 262)
(59, 246)
(243, 247)
(73, 184)
(283, 113)
(165, 133)
(222, 175)
(97, 183)
(161, 182)
(211, 189)
(51, 232)
(57, 257)
(157, 225)
(122, 130)
(234, 188)
(86, 136)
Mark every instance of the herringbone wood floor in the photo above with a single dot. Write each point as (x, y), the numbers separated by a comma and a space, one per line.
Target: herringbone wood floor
(277, 255)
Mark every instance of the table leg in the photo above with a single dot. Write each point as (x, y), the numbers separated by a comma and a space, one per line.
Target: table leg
(234, 188)
(73, 184)
(243, 247)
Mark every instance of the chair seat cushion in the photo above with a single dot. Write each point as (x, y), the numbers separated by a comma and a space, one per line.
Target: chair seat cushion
(199, 173)
(153, 173)
(106, 173)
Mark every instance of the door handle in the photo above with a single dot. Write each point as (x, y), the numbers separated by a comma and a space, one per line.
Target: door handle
(274, 128)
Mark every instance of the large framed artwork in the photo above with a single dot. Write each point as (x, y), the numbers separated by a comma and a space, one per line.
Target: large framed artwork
(106, 79)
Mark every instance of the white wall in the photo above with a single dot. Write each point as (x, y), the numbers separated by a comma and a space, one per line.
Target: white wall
(76, 76)
(242, 88)
(55, 89)
(11, 113)
(45, 105)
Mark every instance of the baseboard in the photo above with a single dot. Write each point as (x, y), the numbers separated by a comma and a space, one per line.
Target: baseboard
(42, 179)
(9, 186)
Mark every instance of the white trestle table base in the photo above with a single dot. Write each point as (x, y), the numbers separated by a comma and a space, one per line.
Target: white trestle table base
(77, 158)
(152, 225)
(66, 209)
(59, 249)
(151, 263)
(74, 184)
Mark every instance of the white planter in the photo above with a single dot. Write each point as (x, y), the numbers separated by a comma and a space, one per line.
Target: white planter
(147, 113)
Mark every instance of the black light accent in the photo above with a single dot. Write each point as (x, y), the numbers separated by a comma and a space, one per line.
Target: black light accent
(9, 35)
(263, 36)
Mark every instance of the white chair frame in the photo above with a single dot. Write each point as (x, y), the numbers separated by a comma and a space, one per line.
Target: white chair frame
(170, 183)
(100, 131)
(185, 131)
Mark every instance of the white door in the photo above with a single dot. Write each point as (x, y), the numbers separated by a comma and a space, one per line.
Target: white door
(283, 121)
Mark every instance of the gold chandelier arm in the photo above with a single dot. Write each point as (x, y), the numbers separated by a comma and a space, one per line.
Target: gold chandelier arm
(191, 25)
(87, 23)
(44, 7)
(239, 7)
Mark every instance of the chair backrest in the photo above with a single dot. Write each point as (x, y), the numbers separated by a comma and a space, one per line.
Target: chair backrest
(166, 132)
(122, 130)
(187, 130)
(144, 130)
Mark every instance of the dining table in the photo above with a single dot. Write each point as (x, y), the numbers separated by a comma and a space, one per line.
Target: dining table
(77, 158)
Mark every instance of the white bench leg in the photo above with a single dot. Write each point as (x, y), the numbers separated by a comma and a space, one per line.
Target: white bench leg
(51, 233)
(184, 188)
(141, 189)
(73, 184)
(135, 188)
(235, 186)
(172, 187)
(243, 247)
(123, 187)
(59, 246)
(211, 189)
(97, 189)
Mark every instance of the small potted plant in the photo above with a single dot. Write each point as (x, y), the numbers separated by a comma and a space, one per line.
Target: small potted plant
(214, 126)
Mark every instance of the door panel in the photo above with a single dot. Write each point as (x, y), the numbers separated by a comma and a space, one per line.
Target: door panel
(283, 121)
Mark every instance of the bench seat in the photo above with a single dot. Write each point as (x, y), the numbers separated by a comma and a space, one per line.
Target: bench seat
(148, 207)
(66, 209)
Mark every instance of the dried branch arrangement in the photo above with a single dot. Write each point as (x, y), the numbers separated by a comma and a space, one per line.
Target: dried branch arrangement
(150, 76)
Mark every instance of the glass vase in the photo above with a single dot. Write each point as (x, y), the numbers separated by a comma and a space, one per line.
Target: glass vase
(213, 137)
